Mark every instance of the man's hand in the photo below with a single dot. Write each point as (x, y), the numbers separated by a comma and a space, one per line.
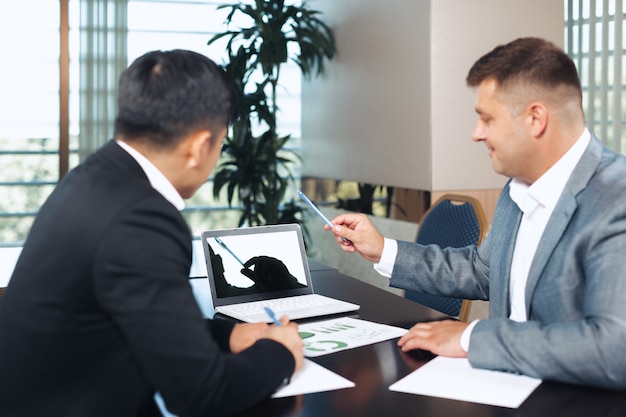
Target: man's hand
(287, 335)
(360, 236)
(245, 335)
(440, 337)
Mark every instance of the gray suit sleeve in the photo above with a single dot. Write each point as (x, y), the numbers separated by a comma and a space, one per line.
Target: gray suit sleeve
(460, 272)
(576, 330)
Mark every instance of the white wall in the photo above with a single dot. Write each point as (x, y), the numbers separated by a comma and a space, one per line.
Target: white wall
(393, 108)
(375, 96)
(461, 32)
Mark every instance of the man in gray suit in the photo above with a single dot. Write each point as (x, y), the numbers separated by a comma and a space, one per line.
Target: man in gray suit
(554, 263)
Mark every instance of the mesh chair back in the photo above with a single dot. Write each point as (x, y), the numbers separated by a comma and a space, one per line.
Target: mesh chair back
(453, 221)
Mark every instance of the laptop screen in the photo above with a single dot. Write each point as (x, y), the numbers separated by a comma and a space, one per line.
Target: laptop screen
(256, 263)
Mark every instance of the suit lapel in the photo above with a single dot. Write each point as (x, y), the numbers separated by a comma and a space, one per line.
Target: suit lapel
(553, 233)
(507, 219)
(563, 212)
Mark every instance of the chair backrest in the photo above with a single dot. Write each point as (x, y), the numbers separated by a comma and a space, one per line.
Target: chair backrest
(453, 221)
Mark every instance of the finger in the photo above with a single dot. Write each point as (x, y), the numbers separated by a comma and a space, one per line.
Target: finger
(340, 231)
(417, 337)
(415, 343)
(341, 235)
(422, 326)
(406, 338)
(346, 247)
(284, 320)
(419, 331)
(248, 272)
(341, 219)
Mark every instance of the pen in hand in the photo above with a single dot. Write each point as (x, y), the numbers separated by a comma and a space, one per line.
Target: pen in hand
(272, 315)
(317, 211)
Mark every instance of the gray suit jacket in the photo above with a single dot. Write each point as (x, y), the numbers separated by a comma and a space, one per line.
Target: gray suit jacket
(576, 291)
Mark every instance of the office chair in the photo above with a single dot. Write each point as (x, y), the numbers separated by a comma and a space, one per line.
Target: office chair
(453, 221)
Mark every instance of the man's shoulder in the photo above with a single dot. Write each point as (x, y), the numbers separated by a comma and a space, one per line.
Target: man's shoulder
(609, 176)
(600, 172)
(613, 163)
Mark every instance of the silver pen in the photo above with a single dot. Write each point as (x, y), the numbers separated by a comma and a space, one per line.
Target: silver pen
(317, 211)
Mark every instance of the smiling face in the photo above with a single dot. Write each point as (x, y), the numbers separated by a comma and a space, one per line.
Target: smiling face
(505, 132)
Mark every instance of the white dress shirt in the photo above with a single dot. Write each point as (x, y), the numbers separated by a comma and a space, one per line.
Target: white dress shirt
(158, 181)
(537, 202)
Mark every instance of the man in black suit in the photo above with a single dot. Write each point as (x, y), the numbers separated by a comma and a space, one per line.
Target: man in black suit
(99, 314)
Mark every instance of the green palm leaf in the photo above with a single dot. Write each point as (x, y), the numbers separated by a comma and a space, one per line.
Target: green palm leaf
(256, 169)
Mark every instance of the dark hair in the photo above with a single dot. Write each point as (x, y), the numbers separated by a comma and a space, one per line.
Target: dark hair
(527, 60)
(164, 96)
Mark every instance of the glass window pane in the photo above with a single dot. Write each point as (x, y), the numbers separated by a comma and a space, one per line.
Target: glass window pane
(174, 17)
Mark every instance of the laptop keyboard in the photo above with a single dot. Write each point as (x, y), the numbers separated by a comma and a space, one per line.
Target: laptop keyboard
(301, 306)
(280, 304)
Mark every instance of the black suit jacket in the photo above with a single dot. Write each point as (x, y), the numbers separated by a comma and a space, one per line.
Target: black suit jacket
(99, 314)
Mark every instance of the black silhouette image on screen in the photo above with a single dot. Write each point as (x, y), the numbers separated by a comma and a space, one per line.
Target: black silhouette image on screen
(265, 273)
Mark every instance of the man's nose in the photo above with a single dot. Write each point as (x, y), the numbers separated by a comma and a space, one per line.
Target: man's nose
(478, 133)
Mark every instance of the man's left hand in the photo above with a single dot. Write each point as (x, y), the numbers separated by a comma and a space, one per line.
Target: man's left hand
(245, 335)
(440, 337)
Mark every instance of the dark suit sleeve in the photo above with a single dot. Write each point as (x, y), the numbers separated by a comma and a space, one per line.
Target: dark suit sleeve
(141, 281)
(221, 330)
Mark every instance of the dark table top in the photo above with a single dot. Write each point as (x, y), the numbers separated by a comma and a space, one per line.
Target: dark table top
(374, 367)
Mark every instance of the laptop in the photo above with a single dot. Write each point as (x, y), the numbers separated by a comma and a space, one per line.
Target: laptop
(251, 268)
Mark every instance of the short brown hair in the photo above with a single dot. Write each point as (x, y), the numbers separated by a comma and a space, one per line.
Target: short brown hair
(527, 61)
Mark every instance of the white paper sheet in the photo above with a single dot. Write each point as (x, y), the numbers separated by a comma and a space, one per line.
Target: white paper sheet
(312, 377)
(454, 378)
(334, 335)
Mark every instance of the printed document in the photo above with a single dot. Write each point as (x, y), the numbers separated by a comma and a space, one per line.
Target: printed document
(334, 335)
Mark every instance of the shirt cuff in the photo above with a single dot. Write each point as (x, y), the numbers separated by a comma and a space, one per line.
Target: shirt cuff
(387, 258)
(465, 337)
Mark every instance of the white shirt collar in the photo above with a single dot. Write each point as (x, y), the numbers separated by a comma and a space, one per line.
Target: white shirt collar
(546, 191)
(158, 181)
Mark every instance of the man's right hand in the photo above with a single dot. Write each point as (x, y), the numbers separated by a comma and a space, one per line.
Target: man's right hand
(360, 236)
(287, 335)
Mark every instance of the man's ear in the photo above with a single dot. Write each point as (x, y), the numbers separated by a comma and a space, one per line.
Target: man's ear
(197, 145)
(538, 119)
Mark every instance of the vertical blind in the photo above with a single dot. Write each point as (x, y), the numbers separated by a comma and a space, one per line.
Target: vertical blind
(594, 38)
(103, 31)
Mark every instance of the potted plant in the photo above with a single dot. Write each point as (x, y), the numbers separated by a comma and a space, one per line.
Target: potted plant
(255, 164)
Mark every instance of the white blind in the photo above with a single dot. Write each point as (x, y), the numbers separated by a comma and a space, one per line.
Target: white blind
(102, 60)
(189, 24)
(594, 38)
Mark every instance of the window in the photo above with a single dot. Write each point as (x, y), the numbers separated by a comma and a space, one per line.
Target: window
(29, 112)
(594, 38)
(30, 90)
(170, 24)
